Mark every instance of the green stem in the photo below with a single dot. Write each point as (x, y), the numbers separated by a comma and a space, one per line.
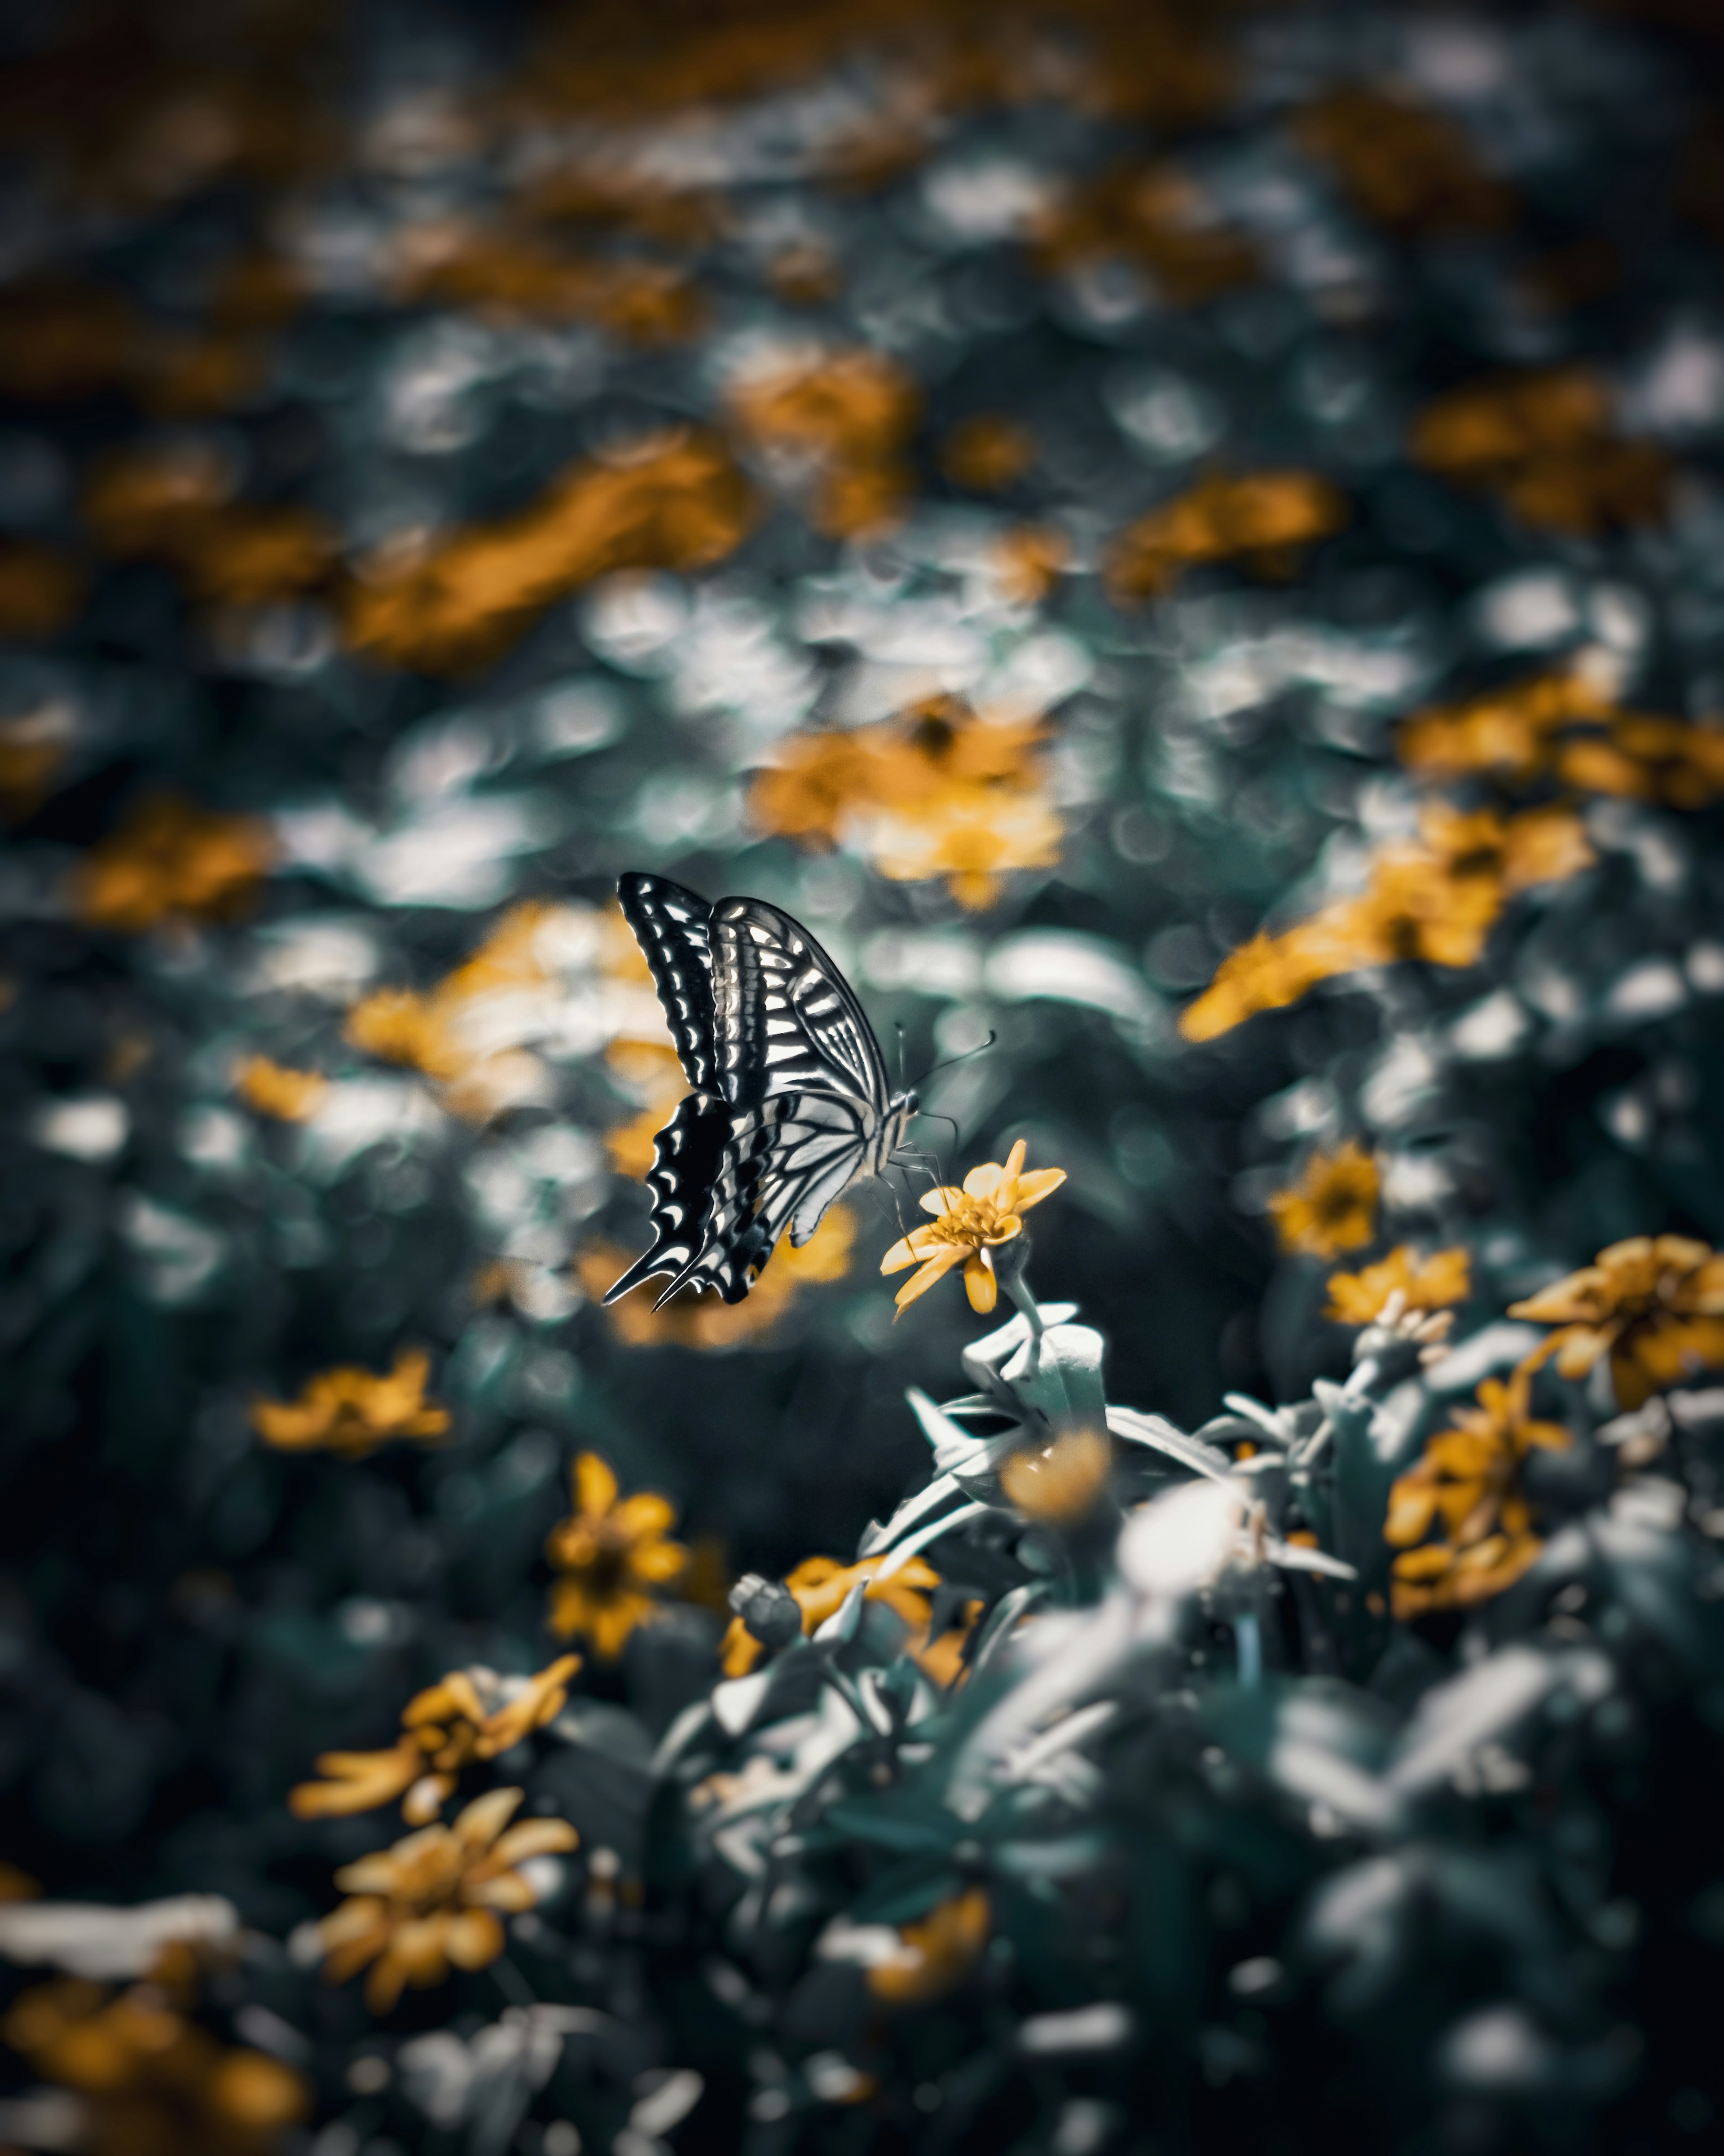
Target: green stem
(1009, 1270)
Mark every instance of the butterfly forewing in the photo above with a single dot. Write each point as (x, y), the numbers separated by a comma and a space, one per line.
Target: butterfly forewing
(784, 1018)
(671, 925)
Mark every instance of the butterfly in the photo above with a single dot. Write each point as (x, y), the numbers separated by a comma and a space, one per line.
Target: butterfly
(790, 1104)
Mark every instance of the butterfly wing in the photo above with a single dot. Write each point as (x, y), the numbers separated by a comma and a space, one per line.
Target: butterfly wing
(670, 925)
(687, 1154)
(785, 1020)
(792, 1091)
(782, 1166)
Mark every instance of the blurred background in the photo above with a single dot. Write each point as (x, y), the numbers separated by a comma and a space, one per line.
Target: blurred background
(994, 481)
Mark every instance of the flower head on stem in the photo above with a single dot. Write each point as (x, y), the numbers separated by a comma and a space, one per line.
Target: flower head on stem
(970, 1224)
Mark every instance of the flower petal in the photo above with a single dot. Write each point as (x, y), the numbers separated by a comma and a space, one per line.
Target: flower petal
(476, 1939)
(942, 1199)
(1040, 1184)
(484, 1818)
(980, 1285)
(936, 1269)
(595, 1486)
(920, 1244)
(983, 1181)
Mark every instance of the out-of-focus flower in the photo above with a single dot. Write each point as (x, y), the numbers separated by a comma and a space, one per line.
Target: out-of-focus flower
(1265, 519)
(939, 792)
(705, 1320)
(1545, 443)
(1508, 733)
(1654, 1304)
(1028, 561)
(1407, 167)
(841, 420)
(509, 273)
(970, 1224)
(33, 748)
(434, 1898)
(41, 589)
(1404, 1297)
(352, 1411)
(153, 2083)
(1266, 973)
(1517, 853)
(1436, 901)
(291, 1097)
(471, 1715)
(987, 452)
(1467, 1486)
(459, 600)
(169, 859)
(1154, 218)
(820, 1585)
(1649, 758)
(612, 1557)
(62, 342)
(1332, 1207)
(1062, 1483)
(938, 1951)
(654, 1073)
(467, 1032)
(1422, 1283)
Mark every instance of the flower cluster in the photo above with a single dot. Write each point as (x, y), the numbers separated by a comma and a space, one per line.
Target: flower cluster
(1546, 443)
(838, 422)
(169, 860)
(436, 1899)
(471, 1715)
(456, 601)
(612, 1557)
(1267, 520)
(352, 1411)
(940, 793)
(1154, 218)
(1434, 900)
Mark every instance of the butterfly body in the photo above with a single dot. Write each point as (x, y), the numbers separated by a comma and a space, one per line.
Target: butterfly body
(790, 1102)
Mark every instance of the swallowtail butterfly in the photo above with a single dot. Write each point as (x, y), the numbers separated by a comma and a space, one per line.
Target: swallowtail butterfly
(790, 1102)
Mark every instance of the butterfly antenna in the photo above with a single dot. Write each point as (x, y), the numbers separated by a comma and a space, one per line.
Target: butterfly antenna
(981, 1048)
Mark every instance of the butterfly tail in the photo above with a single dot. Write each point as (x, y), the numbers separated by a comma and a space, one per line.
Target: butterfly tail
(686, 1156)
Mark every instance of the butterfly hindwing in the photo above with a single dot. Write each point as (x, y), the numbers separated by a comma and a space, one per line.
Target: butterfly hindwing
(670, 925)
(687, 1154)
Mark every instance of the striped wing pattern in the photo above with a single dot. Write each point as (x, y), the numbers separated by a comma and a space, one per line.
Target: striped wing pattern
(792, 1101)
(671, 925)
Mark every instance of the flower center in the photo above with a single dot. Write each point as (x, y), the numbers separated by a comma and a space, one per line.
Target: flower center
(973, 1221)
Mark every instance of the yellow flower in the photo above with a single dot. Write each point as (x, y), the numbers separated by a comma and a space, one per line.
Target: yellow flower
(613, 1556)
(847, 416)
(434, 1898)
(464, 1033)
(152, 2081)
(937, 1954)
(1332, 1207)
(472, 1714)
(1544, 441)
(1654, 1304)
(460, 601)
(350, 1411)
(819, 1584)
(1467, 1486)
(169, 859)
(987, 452)
(1508, 733)
(1150, 215)
(1412, 170)
(273, 1089)
(1267, 974)
(1266, 519)
(987, 1212)
(971, 839)
(1421, 1283)
(1062, 1483)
